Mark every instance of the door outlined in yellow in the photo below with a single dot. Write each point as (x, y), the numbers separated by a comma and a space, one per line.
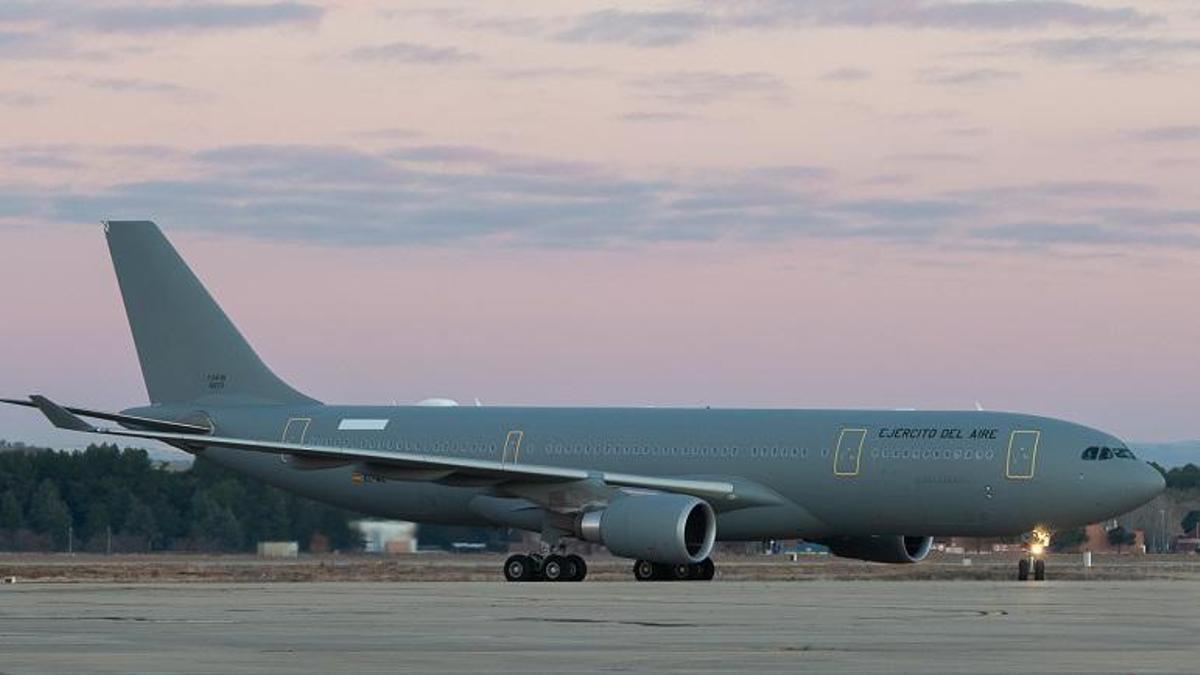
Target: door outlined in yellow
(295, 430)
(512, 447)
(1021, 462)
(847, 458)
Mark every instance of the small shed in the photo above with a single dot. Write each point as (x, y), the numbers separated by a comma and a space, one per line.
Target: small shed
(278, 549)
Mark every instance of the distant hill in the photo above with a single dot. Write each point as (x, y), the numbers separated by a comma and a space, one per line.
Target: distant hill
(1167, 455)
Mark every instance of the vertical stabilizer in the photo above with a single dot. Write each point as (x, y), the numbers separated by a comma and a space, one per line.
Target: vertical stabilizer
(188, 348)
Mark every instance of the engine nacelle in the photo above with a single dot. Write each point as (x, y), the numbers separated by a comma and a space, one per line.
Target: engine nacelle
(884, 549)
(662, 528)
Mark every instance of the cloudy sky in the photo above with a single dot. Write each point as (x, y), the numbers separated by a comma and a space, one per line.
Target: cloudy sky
(804, 203)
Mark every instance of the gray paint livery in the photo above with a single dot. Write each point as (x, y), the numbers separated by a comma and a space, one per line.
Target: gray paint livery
(765, 473)
(952, 485)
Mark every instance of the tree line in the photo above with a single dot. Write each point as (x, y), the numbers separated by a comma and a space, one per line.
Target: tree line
(1186, 477)
(111, 499)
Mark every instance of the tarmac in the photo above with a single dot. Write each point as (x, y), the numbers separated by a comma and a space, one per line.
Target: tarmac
(823, 626)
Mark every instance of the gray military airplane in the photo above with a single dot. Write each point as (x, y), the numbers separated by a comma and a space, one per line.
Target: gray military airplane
(660, 486)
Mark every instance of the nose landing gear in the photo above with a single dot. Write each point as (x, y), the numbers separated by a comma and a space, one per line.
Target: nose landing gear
(1033, 560)
(1036, 565)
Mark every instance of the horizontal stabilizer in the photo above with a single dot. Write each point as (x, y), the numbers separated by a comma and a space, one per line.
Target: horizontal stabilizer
(59, 416)
(130, 421)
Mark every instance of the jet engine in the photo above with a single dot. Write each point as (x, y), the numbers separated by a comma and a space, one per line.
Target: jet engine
(879, 548)
(663, 528)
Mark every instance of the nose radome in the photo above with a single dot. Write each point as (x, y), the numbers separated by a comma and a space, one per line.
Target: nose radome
(1160, 483)
(1149, 483)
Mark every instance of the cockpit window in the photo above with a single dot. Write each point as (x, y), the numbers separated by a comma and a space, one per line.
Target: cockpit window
(1098, 453)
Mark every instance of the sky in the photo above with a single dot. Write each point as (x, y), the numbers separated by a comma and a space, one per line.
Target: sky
(783, 203)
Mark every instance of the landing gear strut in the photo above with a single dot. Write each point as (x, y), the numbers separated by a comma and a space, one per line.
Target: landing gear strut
(644, 570)
(554, 567)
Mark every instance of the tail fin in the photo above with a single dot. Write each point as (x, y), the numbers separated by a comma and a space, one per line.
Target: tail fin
(189, 350)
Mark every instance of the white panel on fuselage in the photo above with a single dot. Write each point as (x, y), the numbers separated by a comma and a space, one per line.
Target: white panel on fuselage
(362, 425)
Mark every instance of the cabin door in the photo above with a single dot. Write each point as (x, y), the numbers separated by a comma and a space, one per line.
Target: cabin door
(1022, 454)
(296, 429)
(847, 459)
(512, 447)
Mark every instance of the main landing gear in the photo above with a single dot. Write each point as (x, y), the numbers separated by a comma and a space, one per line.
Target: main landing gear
(553, 567)
(644, 570)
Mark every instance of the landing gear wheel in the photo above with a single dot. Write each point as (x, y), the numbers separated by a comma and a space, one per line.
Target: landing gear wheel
(580, 566)
(682, 572)
(1039, 570)
(1023, 569)
(519, 568)
(705, 570)
(644, 570)
(556, 568)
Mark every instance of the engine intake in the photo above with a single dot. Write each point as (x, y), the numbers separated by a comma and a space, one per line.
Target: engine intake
(662, 528)
(879, 548)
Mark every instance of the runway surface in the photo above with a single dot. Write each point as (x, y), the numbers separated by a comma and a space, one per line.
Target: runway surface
(595, 627)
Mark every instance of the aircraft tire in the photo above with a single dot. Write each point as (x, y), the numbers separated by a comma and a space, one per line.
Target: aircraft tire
(556, 568)
(1039, 570)
(681, 572)
(705, 570)
(644, 570)
(580, 567)
(519, 568)
(1023, 569)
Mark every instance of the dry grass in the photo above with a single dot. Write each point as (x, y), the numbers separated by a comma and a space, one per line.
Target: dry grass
(77, 568)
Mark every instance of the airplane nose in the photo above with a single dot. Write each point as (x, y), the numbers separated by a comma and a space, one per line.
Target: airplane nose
(1148, 483)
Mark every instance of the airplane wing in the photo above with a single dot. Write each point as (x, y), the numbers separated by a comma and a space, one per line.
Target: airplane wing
(723, 494)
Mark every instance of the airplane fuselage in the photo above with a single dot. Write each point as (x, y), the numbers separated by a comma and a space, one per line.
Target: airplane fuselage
(835, 472)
